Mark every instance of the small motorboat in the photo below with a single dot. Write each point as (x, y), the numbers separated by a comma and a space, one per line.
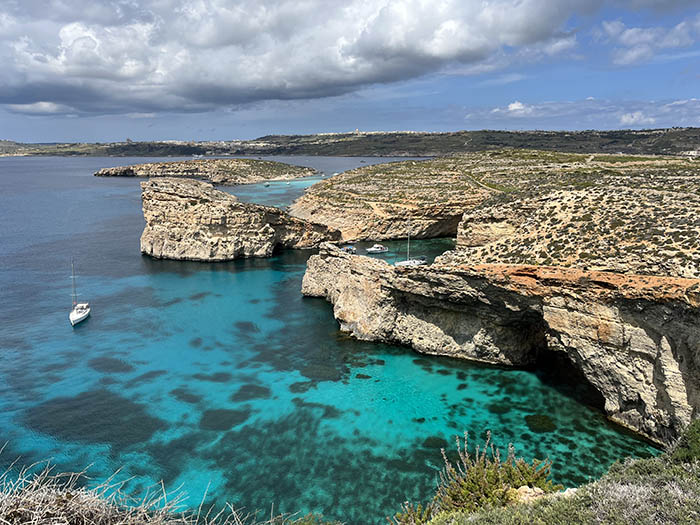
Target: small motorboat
(80, 311)
(349, 249)
(377, 248)
(267, 184)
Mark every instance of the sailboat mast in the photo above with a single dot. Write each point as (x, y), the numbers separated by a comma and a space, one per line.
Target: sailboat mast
(74, 294)
(408, 245)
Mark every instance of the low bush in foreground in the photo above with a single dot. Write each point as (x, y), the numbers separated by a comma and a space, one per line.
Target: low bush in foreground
(661, 490)
(477, 481)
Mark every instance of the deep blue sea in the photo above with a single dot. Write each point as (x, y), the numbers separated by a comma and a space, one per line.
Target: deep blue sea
(221, 378)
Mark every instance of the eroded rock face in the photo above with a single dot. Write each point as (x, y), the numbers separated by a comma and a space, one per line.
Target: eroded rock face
(190, 220)
(634, 338)
(390, 201)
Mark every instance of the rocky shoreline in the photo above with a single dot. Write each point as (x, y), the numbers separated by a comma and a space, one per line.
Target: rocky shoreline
(190, 220)
(633, 338)
(217, 171)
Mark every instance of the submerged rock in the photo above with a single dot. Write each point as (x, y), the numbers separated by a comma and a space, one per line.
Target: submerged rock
(190, 220)
(634, 338)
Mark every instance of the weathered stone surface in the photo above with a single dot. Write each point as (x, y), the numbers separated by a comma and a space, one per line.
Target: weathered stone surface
(216, 171)
(625, 230)
(190, 220)
(389, 201)
(636, 339)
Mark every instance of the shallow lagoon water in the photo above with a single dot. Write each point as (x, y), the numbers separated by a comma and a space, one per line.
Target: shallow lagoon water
(222, 378)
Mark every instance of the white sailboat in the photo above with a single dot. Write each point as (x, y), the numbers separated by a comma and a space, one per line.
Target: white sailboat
(80, 311)
(411, 262)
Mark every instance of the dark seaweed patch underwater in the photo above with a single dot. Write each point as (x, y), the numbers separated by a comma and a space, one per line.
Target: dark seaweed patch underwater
(223, 376)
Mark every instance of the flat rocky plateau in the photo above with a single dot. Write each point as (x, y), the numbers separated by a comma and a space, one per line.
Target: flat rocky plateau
(217, 171)
(599, 212)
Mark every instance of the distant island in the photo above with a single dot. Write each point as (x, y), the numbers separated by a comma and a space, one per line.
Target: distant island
(668, 141)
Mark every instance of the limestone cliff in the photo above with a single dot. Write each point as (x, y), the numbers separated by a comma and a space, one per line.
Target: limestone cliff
(634, 338)
(216, 171)
(190, 220)
(389, 201)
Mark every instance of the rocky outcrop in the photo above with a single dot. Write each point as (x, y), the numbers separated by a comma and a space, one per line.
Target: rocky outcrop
(634, 338)
(624, 230)
(390, 201)
(216, 171)
(190, 220)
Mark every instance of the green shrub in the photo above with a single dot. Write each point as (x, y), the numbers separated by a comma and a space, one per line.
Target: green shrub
(484, 480)
(687, 448)
(481, 480)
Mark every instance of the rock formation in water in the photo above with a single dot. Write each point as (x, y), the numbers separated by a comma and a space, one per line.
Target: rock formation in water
(634, 338)
(216, 171)
(190, 220)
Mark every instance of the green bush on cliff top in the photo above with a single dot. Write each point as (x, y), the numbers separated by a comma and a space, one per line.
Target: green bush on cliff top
(481, 480)
(688, 446)
(661, 490)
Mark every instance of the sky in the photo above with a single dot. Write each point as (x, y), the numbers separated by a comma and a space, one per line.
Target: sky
(108, 70)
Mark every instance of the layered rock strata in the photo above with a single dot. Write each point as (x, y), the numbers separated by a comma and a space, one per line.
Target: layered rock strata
(216, 171)
(190, 220)
(390, 201)
(551, 197)
(634, 338)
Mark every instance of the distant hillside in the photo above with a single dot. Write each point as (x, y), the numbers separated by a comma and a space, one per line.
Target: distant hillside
(406, 143)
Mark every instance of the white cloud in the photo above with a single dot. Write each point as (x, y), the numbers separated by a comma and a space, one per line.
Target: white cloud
(501, 80)
(41, 108)
(589, 113)
(638, 44)
(636, 118)
(191, 55)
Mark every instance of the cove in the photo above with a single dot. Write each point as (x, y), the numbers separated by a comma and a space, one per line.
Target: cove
(223, 375)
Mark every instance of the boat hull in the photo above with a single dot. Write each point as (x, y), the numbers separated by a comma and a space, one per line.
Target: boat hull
(78, 315)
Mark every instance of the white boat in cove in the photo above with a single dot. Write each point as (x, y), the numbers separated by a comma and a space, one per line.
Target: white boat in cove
(377, 248)
(411, 261)
(80, 311)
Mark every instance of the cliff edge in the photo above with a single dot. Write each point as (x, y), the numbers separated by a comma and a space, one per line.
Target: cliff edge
(190, 220)
(634, 338)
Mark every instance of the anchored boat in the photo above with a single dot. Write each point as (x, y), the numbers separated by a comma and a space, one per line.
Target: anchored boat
(377, 248)
(80, 311)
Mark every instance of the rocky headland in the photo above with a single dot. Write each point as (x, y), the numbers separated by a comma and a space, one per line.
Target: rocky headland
(593, 258)
(497, 193)
(191, 220)
(634, 338)
(226, 172)
(389, 201)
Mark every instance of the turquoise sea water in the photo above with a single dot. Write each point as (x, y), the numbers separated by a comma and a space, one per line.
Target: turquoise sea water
(222, 378)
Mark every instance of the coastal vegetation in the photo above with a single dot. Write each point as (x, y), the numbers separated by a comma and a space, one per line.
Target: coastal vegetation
(409, 143)
(660, 490)
(476, 487)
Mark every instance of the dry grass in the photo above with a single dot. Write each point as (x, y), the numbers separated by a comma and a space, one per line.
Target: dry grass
(36, 495)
